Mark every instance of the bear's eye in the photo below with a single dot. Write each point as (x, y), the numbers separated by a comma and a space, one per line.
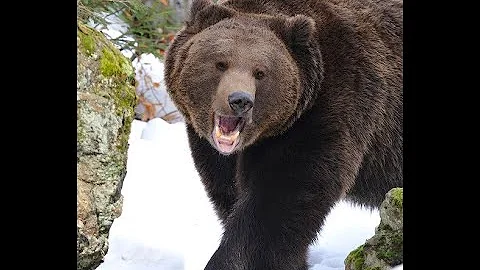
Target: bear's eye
(258, 74)
(222, 66)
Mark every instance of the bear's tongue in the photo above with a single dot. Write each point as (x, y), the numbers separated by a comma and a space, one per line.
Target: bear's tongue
(228, 124)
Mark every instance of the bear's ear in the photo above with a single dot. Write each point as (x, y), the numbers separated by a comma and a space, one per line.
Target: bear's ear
(294, 31)
(204, 13)
(196, 7)
(300, 29)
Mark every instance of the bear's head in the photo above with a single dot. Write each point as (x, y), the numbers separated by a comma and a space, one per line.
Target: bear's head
(238, 78)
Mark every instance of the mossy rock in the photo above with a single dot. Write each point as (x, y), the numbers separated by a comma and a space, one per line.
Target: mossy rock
(105, 109)
(385, 249)
(391, 209)
(105, 72)
(356, 258)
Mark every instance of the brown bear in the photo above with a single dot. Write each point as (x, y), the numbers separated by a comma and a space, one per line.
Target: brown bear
(290, 106)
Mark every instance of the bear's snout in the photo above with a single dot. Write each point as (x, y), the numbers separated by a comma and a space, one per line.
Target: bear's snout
(240, 102)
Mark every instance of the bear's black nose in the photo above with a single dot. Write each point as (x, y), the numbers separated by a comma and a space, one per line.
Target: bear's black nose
(240, 102)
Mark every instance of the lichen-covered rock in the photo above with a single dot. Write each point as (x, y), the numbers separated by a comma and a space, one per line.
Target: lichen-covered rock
(105, 109)
(385, 249)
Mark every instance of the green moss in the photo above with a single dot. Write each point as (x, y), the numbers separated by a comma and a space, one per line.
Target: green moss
(397, 197)
(113, 63)
(88, 39)
(390, 247)
(125, 99)
(87, 43)
(356, 258)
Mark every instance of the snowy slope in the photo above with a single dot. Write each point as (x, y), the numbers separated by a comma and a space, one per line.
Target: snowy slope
(168, 223)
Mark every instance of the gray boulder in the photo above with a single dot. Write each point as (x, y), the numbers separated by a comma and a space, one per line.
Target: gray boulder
(105, 109)
(385, 249)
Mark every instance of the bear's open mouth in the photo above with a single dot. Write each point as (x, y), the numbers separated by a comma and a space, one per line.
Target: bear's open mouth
(226, 132)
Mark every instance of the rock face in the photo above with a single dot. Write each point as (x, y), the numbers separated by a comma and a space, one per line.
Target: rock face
(385, 249)
(105, 103)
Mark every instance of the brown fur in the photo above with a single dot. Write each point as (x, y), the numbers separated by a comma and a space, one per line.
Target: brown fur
(326, 121)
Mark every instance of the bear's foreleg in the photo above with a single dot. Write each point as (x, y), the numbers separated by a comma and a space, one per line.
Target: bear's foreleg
(282, 203)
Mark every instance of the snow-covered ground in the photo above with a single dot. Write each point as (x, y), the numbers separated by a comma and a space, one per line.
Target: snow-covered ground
(168, 223)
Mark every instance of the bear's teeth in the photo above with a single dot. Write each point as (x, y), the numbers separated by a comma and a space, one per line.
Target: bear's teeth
(221, 136)
(217, 131)
(234, 136)
(230, 138)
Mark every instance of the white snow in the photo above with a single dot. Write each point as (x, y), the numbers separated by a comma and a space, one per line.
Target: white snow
(168, 222)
